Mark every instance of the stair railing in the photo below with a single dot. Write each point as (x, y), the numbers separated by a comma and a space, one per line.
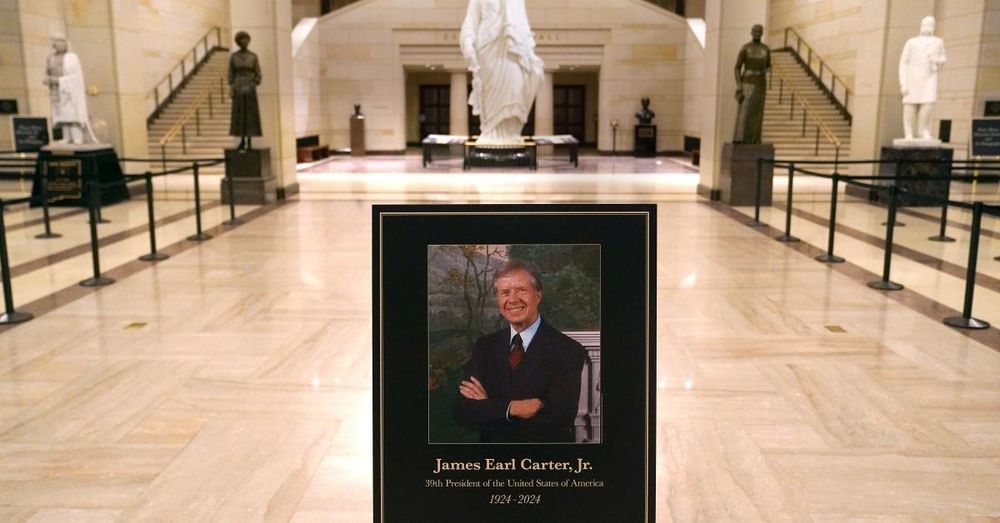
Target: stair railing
(167, 88)
(787, 89)
(831, 85)
(208, 99)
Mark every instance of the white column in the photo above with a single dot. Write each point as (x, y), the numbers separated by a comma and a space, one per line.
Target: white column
(727, 30)
(876, 104)
(269, 24)
(108, 42)
(459, 112)
(544, 124)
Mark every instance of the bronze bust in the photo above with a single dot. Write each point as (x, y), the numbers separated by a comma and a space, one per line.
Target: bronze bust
(645, 116)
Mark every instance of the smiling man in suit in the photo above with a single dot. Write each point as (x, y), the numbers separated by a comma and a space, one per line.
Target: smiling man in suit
(522, 384)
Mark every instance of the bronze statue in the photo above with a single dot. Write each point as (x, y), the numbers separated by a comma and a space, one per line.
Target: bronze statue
(244, 77)
(752, 65)
(645, 116)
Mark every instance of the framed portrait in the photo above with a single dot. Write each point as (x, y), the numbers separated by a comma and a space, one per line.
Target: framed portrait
(514, 362)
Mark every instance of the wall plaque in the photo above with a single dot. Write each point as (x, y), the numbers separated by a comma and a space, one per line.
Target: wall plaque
(986, 137)
(30, 133)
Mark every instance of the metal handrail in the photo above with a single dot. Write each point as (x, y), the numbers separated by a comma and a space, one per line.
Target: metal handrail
(192, 56)
(193, 112)
(807, 112)
(808, 60)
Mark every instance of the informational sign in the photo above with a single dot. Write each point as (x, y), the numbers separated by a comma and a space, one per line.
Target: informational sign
(30, 133)
(8, 106)
(64, 179)
(992, 108)
(986, 137)
(474, 422)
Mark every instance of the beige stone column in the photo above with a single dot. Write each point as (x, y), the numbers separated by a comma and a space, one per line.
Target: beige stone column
(269, 23)
(544, 121)
(876, 104)
(458, 116)
(106, 37)
(727, 30)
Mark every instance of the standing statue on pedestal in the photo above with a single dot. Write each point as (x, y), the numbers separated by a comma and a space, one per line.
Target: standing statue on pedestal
(244, 77)
(498, 44)
(64, 78)
(752, 65)
(922, 57)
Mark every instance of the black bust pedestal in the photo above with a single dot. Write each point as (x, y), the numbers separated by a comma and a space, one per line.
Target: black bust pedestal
(69, 168)
(250, 172)
(738, 173)
(915, 164)
(645, 141)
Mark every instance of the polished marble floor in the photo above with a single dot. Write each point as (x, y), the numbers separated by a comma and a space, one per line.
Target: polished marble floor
(232, 382)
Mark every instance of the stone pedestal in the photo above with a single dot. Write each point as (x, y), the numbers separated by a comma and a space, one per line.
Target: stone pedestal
(357, 136)
(645, 141)
(250, 171)
(916, 164)
(738, 173)
(69, 168)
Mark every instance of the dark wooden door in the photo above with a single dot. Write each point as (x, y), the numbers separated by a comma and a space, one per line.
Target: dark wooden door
(569, 110)
(435, 109)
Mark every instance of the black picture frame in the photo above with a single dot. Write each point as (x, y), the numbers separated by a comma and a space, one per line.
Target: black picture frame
(409, 482)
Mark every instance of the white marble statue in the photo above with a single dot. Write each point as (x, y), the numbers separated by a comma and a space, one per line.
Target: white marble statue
(922, 58)
(64, 77)
(498, 44)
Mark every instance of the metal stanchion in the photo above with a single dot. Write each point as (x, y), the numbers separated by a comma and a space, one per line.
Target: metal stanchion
(10, 315)
(941, 236)
(45, 211)
(897, 175)
(756, 197)
(199, 236)
(153, 255)
(233, 221)
(829, 257)
(97, 189)
(787, 237)
(97, 280)
(885, 284)
(966, 321)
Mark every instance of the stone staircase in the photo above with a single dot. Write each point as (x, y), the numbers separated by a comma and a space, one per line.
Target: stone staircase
(214, 136)
(786, 134)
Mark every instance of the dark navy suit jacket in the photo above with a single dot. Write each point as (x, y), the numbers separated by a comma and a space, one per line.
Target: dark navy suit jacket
(550, 371)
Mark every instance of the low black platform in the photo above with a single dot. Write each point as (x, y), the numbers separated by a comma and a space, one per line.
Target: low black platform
(70, 169)
(523, 154)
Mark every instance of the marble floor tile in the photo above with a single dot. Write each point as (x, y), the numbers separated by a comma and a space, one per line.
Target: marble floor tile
(238, 470)
(233, 381)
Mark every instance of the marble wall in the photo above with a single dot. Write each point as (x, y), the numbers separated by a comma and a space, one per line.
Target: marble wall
(171, 28)
(972, 68)
(12, 84)
(829, 26)
(25, 28)
(364, 48)
(694, 65)
(308, 72)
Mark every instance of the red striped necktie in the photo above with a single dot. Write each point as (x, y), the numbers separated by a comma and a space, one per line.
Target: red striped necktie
(516, 352)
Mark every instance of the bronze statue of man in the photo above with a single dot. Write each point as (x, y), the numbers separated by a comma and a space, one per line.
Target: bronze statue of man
(244, 77)
(752, 65)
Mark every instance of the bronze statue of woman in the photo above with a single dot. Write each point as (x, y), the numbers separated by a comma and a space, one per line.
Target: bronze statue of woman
(752, 65)
(244, 77)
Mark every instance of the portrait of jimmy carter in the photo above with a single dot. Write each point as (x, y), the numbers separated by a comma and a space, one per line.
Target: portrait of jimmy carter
(522, 383)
